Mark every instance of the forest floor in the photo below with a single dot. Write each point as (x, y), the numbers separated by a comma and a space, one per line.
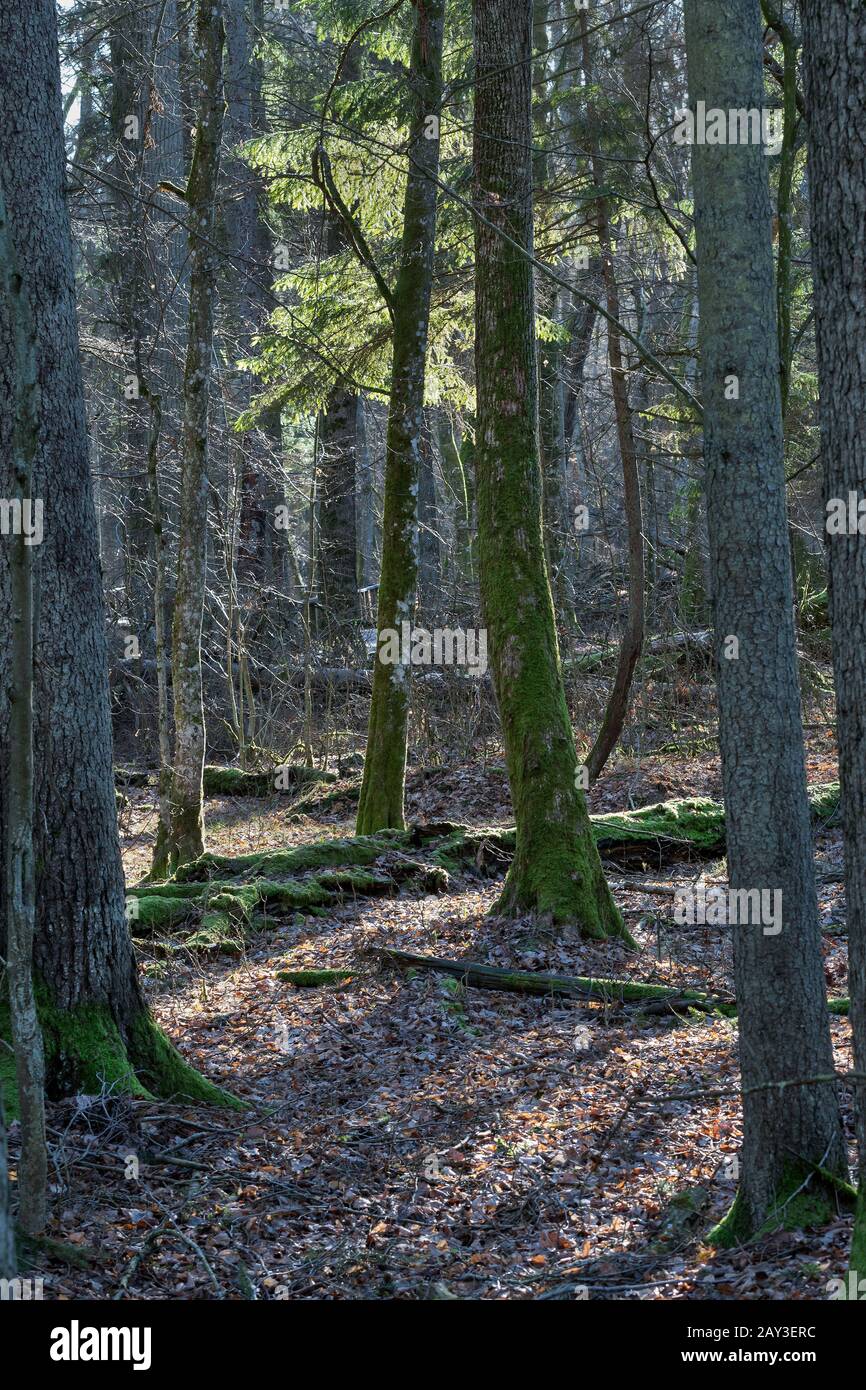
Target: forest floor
(409, 1137)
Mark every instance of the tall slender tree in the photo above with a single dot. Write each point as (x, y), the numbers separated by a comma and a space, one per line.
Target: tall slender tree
(381, 800)
(186, 834)
(835, 69)
(556, 870)
(784, 1030)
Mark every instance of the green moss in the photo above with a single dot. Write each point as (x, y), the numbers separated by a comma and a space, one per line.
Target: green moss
(155, 913)
(228, 908)
(161, 1066)
(839, 1006)
(233, 781)
(217, 932)
(165, 890)
(314, 800)
(698, 822)
(363, 849)
(84, 1053)
(797, 1207)
(131, 777)
(824, 802)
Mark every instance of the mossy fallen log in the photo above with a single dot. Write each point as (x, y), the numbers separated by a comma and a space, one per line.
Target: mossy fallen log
(357, 851)
(609, 991)
(222, 911)
(223, 890)
(283, 777)
(688, 646)
(314, 800)
(132, 776)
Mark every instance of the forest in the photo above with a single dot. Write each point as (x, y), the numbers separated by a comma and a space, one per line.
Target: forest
(432, 652)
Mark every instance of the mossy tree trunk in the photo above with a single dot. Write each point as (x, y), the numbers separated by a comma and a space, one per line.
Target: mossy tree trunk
(835, 68)
(96, 1027)
(556, 870)
(783, 1021)
(186, 836)
(381, 801)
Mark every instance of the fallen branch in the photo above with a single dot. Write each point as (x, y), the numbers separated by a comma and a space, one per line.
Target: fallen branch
(606, 991)
(661, 998)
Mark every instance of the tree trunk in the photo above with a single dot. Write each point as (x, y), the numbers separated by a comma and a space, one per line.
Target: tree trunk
(835, 70)
(19, 899)
(429, 552)
(130, 44)
(381, 800)
(96, 1027)
(784, 1027)
(7, 1229)
(554, 453)
(633, 636)
(246, 286)
(336, 546)
(186, 840)
(556, 870)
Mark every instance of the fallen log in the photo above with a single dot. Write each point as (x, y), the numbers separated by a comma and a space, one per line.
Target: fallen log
(282, 777)
(596, 658)
(693, 826)
(608, 991)
(224, 892)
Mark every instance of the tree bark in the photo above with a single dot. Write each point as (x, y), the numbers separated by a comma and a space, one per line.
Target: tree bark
(336, 547)
(19, 900)
(7, 1229)
(783, 1021)
(556, 870)
(186, 837)
(96, 1027)
(381, 801)
(835, 71)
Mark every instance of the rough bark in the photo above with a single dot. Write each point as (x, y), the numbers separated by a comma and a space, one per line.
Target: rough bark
(381, 800)
(835, 69)
(186, 838)
(554, 453)
(556, 870)
(783, 1021)
(19, 899)
(96, 1028)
